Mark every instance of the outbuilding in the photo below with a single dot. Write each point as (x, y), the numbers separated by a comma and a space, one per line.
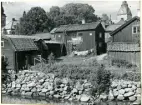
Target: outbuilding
(81, 37)
(125, 43)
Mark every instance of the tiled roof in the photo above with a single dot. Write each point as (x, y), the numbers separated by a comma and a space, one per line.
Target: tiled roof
(23, 44)
(123, 47)
(77, 27)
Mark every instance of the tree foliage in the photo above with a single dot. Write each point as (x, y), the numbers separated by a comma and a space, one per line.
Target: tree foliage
(72, 13)
(34, 21)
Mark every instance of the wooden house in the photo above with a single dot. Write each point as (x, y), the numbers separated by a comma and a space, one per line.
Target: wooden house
(81, 37)
(19, 51)
(125, 43)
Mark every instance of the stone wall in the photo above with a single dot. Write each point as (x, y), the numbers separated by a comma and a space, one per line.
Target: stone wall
(35, 84)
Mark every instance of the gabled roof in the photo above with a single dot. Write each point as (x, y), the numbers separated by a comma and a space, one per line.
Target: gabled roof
(124, 25)
(77, 27)
(21, 43)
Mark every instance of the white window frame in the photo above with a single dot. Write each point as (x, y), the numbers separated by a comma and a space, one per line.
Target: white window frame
(136, 26)
(100, 35)
(59, 36)
(2, 45)
(90, 34)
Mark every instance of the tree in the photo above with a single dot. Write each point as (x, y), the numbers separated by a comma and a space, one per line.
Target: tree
(72, 14)
(106, 19)
(34, 21)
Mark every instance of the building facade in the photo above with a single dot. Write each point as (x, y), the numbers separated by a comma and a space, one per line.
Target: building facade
(82, 37)
(125, 44)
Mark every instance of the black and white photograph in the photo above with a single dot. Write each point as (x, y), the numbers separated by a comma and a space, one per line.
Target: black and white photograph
(67, 52)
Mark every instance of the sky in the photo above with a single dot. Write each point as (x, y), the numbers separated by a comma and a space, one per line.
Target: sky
(15, 9)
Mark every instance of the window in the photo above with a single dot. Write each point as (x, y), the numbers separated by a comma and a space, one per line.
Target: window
(90, 34)
(80, 34)
(2, 43)
(136, 29)
(100, 44)
(100, 35)
(59, 36)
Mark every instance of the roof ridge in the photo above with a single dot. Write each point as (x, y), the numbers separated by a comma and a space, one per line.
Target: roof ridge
(123, 25)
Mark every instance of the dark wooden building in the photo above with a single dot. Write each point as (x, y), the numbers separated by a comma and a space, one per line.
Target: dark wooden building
(19, 51)
(81, 37)
(125, 43)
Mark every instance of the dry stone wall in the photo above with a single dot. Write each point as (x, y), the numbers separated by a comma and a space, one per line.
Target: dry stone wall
(35, 84)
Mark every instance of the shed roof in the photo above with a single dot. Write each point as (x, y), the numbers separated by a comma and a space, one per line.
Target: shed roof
(53, 30)
(112, 27)
(77, 27)
(43, 35)
(123, 47)
(124, 25)
(53, 42)
(21, 43)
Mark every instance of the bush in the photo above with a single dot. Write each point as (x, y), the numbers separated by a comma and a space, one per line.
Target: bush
(122, 63)
(51, 59)
(103, 80)
(5, 76)
(132, 76)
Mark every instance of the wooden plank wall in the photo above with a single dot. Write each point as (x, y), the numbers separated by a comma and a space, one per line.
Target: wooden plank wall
(132, 57)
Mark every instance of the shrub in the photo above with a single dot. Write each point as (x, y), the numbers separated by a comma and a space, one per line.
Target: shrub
(5, 75)
(51, 59)
(103, 80)
(132, 76)
(122, 63)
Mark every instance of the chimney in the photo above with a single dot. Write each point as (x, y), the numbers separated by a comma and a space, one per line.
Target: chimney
(83, 21)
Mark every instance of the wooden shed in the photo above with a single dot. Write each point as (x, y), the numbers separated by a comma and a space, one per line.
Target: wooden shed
(19, 51)
(125, 43)
(81, 37)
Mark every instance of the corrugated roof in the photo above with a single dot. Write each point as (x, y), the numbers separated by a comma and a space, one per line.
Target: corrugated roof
(23, 44)
(77, 27)
(123, 47)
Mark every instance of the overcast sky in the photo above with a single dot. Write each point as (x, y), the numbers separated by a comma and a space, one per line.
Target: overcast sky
(15, 9)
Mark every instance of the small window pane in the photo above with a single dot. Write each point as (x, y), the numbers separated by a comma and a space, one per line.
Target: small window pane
(90, 34)
(138, 29)
(2, 43)
(134, 29)
(100, 35)
(80, 34)
(100, 44)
